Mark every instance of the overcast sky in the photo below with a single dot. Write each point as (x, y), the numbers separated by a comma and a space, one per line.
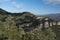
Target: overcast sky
(39, 7)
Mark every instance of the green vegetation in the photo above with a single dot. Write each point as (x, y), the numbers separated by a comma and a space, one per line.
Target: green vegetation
(10, 32)
(24, 27)
(56, 30)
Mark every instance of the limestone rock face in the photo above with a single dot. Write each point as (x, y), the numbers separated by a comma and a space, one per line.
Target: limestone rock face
(46, 25)
(51, 24)
(58, 23)
(54, 23)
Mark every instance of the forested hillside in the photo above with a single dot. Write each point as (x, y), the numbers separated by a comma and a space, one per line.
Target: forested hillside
(23, 26)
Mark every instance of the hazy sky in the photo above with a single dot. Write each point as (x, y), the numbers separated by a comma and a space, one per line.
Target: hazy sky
(38, 7)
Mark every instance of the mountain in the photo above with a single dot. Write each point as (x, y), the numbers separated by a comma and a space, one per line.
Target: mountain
(55, 17)
(24, 26)
(3, 12)
(24, 19)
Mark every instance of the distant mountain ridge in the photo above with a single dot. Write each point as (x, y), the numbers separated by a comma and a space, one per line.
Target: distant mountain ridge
(55, 17)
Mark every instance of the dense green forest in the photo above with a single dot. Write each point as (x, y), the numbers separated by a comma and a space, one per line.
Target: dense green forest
(24, 26)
